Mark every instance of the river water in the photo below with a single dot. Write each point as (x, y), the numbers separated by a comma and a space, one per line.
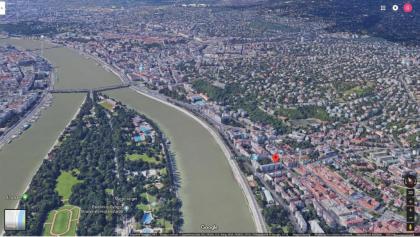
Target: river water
(208, 190)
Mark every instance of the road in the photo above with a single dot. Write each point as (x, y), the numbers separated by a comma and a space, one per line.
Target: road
(410, 93)
(46, 97)
(240, 178)
(279, 200)
(253, 205)
(9, 135)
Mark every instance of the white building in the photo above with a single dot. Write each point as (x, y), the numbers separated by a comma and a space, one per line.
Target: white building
(268, 196)
(301, 221)
(315, 227)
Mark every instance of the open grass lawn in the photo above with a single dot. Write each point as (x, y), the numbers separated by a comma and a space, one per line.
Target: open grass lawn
(65, 183)
(402, 212)
(285, 229)
(76, 171)
(412, 139)
(165, 224)
(151, 206)
(62, 221)
(359, 91)
(399, 189)
(143, 207)
(163, 172)
(106, 105)
(142, 157)
(109, 191)
(149, 197)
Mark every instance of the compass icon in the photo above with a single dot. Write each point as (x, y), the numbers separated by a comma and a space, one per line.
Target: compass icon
(410, 180)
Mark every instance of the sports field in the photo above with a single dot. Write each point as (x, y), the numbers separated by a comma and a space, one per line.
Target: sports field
(62, 221)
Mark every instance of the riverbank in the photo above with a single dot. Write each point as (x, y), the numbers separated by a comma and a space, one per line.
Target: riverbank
(67, 125)
(35, 109)
(21, 159)
(208, 184)
(55, 144)
(18, 128)
(240, 179)
(253, 206)
(259, 223)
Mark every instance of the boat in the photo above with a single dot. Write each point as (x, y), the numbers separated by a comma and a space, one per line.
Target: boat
(26, 126)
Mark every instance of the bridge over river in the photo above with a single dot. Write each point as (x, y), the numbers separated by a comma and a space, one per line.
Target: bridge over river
(209, 191)
(88, 90)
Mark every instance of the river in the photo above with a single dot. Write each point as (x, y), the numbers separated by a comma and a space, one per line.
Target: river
(208, 190)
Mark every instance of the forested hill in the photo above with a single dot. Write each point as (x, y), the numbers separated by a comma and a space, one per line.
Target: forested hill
(356, 16)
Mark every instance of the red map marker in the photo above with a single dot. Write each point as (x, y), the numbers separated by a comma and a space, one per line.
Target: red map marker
(408, 8)
(275, 158)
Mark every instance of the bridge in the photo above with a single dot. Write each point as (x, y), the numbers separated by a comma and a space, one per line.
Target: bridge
(89, 90)
(39, 49)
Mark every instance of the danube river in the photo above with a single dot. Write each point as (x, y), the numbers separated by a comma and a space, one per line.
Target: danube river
(209, 192)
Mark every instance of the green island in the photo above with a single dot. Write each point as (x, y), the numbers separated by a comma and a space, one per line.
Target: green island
(110, 174)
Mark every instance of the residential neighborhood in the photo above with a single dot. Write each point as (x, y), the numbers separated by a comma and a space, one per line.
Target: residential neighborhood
(24, 79)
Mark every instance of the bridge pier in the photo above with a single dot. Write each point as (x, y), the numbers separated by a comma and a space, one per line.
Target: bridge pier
(91, 95)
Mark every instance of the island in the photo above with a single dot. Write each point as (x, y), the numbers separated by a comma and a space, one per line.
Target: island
(110, 173)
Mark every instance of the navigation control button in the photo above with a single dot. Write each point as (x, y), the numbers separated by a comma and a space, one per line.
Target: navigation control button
(410, 226)
(408, 8)
(410, 201)
(410, 218)
(14, 219)
(410, 192)
(410, 180)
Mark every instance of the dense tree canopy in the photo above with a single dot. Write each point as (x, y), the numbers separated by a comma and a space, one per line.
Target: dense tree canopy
(94, 148)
